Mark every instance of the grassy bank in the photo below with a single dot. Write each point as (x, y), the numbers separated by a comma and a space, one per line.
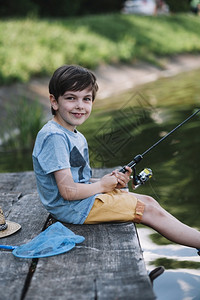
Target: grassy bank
(32, 47)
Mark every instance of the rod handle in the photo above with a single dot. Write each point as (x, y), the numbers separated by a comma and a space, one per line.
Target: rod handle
(132, 164)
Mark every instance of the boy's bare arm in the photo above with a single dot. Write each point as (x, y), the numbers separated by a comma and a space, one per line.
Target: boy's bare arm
(92, 180)
(71, 190)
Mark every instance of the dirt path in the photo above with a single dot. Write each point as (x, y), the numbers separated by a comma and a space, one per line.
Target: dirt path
(111, 79)
(115, 79)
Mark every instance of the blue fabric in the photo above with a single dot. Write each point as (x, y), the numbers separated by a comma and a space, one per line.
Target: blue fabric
(57, 148)
(56, 239)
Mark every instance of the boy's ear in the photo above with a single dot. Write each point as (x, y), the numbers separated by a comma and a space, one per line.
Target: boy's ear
(54, 102)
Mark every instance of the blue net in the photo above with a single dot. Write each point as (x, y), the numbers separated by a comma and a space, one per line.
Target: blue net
(56, 239)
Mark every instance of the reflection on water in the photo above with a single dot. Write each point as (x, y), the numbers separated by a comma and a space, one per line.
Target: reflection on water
(176, 284)
(16, 161)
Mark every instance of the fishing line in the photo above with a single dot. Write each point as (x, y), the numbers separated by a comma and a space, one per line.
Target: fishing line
(139, 157)
(164, 137)
(153, 190)
(146, 174)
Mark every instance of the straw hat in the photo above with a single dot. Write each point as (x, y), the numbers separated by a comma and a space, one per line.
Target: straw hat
(7, 227)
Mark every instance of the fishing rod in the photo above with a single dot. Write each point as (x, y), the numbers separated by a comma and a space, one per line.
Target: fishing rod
(146, 174)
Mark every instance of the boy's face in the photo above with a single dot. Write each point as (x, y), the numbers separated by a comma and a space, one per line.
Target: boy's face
(73, 108)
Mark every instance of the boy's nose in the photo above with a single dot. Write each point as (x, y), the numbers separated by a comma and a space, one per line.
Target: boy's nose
(79, 104)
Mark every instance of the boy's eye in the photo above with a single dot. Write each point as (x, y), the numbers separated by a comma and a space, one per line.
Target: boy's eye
(73, 98)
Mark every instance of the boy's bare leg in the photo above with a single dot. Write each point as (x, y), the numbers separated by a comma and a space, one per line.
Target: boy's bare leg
(163, 222)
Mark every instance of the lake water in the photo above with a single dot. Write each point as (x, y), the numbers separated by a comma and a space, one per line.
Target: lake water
(129, 124)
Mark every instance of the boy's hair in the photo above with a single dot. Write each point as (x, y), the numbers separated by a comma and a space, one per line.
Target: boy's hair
(71, 78)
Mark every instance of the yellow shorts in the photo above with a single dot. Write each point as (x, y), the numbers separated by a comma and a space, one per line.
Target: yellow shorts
(116, 206)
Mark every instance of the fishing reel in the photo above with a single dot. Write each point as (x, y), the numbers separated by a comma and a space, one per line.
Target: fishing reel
(142, 177)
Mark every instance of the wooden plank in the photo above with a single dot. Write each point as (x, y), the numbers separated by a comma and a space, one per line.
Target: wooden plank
(22, 182)
(20, 205)
(107, 265)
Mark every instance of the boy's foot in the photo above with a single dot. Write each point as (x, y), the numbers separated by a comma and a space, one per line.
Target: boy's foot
(156, 272)
(198, 251)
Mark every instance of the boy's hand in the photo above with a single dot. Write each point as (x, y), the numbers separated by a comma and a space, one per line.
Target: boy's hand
(122, 178)
(108, 183)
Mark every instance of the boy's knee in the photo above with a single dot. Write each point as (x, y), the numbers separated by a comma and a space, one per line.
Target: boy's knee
(153, 211)
(150, 200)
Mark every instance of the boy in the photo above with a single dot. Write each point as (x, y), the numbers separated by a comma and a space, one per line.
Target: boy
(61, 165)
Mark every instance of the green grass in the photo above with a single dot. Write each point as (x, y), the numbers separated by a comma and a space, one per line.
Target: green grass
(34, 47)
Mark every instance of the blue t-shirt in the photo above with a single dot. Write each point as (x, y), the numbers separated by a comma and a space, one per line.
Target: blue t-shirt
(57, 148)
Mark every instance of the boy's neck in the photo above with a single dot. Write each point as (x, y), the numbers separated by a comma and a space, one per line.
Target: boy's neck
(70, 128)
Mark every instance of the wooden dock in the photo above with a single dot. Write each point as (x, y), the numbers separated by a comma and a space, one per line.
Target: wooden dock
(108, 265)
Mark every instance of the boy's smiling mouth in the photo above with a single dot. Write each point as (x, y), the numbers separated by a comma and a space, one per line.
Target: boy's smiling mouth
(77, 115)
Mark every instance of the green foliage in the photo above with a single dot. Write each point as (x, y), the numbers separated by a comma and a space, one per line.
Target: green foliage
(18, 8)
(178, 6)
(31, 47)
(24, 120)
(53, 8)
(66, 8)
(174, 264)
(159, 239)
